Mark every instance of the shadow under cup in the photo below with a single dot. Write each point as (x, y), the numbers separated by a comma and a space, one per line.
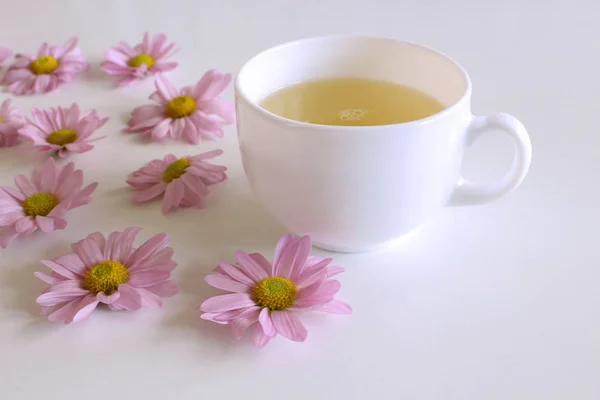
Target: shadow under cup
(352, 188)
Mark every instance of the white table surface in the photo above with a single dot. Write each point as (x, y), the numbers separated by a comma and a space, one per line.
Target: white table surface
(483, 303)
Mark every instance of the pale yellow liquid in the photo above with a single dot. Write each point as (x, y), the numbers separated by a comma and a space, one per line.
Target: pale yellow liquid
(351, 102)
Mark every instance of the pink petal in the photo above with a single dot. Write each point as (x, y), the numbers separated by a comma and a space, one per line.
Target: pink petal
(190, 133)
(242, 323)
(161, 129)
(130, 298)
(147, 124)
(173, 195)
(44, 223)
(259, 338)
(334, 307)
(227, 316)
(7, 236)
(16, 75)
(10, 217)
(146, 250)
(281, 245)
(286, 262)
(267, 324)
(236, 274)
(24, 224)
(157, 43)
(60, 296)
(48, 182)
(262, 262)
(145, 46)
(67, 312)
(221, 108)
(212, 318)
(73, 263)
(164, 67)
(165, 88)
(4, 54)
(13, 193)
(150, 300)
(51, 279)
(147, 111)
(289, 325)
(108, 299)
(224, 282)
(304, 248)
(148, 278)
(212, 84)
(85, 308)
(70, 184)
(310, 291)
(312, 274)
(59, 224)
(88, 251)
(164, 289)
(161, 259)
(333, 270)
(120, 244)
(82, 197)
(61, 270)
(325, 294)
(25, 185)
(207, 155)
(99, 239)
(42, 83)
(250, 267)
(149, 194)
(227, 302)
(194, 184)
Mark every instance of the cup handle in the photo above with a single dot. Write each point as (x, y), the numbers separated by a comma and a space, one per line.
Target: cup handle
(470, 193)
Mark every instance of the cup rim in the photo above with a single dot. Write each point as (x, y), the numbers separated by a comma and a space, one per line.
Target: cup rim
(290, 122)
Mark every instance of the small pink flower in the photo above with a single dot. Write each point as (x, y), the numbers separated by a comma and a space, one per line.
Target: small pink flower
(110, 271)
(42, 201)
(62, 130)
(183, 180)
(4, 54)
(193, 112)
(53, 66)
(271, 295)
(147, 58)
(11, 120)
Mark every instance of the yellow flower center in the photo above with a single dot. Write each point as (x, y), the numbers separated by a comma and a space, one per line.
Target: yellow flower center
(105, 277)
(44, 65)
(180, 107)
(62, 137)
(1, 120)
(40, 204)
(275, 293)
(141, 59)
(175, 170)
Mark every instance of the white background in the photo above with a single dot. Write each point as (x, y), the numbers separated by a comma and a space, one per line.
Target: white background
(484, 303)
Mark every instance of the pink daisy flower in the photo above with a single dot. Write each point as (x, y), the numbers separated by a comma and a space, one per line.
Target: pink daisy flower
(109, 271)
(270, 295)
(192, 113)
(62, 130)
(42, 201)
(11, 120)
(147, 58)
(183, 181)
(53, 66)
(4, 54)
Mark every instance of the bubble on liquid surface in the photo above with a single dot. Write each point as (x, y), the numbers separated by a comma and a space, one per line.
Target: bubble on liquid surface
(352, 114)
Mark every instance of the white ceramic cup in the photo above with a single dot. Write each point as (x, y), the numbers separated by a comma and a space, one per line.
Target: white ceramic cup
(356, 188)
